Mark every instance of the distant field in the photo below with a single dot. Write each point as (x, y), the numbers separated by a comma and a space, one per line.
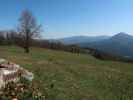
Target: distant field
(67, 76)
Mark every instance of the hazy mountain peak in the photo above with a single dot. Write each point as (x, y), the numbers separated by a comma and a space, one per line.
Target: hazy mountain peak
(122, 35)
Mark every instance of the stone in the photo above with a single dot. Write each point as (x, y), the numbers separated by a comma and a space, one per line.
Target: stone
(11, 72)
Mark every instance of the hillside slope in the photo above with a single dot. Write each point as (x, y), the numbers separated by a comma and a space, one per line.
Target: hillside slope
(67, 76)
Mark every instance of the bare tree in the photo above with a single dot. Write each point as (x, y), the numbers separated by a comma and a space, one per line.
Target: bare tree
(28, 29)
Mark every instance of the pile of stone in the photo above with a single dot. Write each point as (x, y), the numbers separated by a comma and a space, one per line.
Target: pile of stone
(11, 72)
(16, 83)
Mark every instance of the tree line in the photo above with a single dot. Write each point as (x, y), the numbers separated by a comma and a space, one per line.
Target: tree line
(13, 38)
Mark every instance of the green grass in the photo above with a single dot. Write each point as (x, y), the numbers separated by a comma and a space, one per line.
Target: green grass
(74, 77)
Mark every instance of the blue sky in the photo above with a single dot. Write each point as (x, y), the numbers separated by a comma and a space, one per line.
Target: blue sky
(64, 18)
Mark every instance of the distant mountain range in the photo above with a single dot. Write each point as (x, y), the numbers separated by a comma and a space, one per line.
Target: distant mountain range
(80, 39)
(120, 44)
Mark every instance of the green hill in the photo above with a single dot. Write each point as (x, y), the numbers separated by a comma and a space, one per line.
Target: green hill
(67, 76)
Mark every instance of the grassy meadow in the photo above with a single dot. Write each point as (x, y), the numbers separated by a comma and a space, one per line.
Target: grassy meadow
(66, 76)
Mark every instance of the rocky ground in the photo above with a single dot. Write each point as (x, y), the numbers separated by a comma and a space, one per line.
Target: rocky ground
(23, 90)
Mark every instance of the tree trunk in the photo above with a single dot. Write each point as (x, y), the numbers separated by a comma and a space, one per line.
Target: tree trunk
(27, 50)
(27, 44)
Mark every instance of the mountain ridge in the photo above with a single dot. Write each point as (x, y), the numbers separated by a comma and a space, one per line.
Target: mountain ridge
(119, 44)
(79, 39)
